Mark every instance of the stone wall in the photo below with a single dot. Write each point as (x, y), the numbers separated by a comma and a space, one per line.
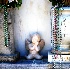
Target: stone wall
(32, 16)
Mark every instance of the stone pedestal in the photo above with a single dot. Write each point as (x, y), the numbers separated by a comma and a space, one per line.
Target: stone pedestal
(60, 58)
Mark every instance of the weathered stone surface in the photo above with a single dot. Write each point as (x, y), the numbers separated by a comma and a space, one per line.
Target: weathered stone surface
(10, 57)
(3, 49)
(1, 30)
(7, 53)
(32, 16)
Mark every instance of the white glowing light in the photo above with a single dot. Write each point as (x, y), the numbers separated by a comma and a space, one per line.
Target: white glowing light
(12, 0)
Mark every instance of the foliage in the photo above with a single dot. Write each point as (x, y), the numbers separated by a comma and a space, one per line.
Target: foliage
(60, 3)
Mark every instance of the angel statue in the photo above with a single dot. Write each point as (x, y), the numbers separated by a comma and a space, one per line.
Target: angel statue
(34, 45)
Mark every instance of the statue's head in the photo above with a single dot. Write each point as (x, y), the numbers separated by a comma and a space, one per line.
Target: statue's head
(35, 38)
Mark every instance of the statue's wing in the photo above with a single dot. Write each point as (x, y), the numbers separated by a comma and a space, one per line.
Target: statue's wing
(27, 42)
(41, 44)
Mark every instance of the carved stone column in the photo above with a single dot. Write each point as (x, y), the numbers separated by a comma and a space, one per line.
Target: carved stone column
(7, 53)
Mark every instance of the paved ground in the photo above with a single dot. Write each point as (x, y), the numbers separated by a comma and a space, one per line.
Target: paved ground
(33, 64)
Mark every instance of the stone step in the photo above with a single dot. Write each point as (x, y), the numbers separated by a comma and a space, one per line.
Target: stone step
(9, 57)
